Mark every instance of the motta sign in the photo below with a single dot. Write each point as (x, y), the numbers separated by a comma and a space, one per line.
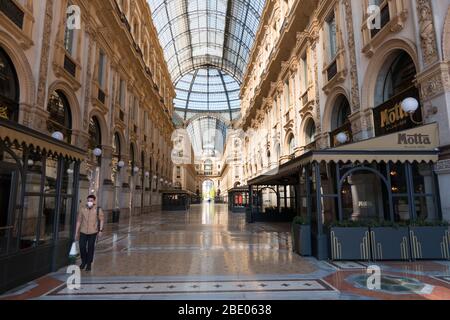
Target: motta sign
(414, 139)
(390, 117)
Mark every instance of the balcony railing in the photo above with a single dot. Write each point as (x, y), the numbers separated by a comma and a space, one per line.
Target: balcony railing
(70, 66)
(384, 19)
(13, 12)
(332, 70)
(101, 96)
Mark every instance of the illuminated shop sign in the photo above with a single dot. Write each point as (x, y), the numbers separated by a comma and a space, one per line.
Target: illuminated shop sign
(390, 117)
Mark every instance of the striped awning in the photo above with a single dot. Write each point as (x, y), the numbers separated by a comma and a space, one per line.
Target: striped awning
(419, 144)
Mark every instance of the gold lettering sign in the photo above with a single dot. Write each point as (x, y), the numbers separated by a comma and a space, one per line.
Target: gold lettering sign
(4, 112)
(393, 115)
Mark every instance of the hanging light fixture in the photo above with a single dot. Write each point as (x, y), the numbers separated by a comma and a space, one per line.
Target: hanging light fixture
(136, 169)
(121, 164)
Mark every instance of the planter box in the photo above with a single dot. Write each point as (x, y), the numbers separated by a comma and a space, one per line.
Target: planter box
(350, 243)
(430, 243)
(302, 239)
(389, 243)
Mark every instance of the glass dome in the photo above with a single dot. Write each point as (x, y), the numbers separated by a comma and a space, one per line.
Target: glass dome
(207, 90)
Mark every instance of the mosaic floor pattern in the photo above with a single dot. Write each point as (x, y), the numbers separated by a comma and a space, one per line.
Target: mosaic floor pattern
(209, 253)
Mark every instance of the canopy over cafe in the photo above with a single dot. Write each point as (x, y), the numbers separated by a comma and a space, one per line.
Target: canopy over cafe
(388, 178)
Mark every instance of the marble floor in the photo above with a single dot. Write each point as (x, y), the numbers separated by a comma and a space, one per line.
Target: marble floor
(209, 253)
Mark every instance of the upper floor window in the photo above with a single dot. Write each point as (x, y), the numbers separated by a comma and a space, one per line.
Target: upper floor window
(69, 34)
(304, 64)
(332, 39)
(287, 93)
(122, 93)
(101, 69)
(9, 88)
(310, 134)
(291, 145)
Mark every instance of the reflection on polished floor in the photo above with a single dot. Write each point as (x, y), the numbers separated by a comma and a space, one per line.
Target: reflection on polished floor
(209, 253)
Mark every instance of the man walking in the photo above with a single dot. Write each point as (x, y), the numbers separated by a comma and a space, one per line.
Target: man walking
(90, 224)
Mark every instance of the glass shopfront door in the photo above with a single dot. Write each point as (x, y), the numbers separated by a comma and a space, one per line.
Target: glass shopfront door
(8, 186)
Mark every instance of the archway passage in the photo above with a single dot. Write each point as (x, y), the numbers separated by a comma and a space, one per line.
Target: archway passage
(209, 190)
(9, 88)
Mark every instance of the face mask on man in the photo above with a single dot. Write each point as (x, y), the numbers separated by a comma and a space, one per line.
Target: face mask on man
(90, 204)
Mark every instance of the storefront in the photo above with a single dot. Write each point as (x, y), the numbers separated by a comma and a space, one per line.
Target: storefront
(387, 180)
(176, 200)
(38, 203)
(238, 199)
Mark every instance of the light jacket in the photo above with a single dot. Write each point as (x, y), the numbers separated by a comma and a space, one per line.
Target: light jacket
(88, 220)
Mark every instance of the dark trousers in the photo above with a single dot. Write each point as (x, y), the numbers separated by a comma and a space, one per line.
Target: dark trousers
(87, 248)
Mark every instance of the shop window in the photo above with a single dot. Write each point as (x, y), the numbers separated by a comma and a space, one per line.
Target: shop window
(398, 179)
(60, 116)
(401, 208)
(364, 196)
(9, 89)
(424, 190)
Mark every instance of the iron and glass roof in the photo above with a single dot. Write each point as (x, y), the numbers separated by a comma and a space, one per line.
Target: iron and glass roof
(195, 33)
(207, 90)
(207, 136)
(207, 44)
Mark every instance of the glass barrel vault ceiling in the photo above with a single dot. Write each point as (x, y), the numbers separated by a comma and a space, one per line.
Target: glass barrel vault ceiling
(207, 90)
(195, 33)
(207, 44)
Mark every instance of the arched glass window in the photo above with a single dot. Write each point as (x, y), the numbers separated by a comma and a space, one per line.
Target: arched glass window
(343, 112)
(310, 133)
(291, 144)
(9, 89)
(95, 137)
(399, 77)
(116, 146)
(95, 134)
(60, 116)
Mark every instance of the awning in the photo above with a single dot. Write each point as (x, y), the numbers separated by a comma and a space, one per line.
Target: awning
(14, 132)
(419, 144)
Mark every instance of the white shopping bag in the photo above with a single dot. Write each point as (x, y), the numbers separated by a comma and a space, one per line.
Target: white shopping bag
(74, 250)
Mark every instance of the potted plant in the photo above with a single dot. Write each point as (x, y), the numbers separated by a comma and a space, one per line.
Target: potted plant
(430, 240)
(350, 240)
(301, 235)
(389, 241)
